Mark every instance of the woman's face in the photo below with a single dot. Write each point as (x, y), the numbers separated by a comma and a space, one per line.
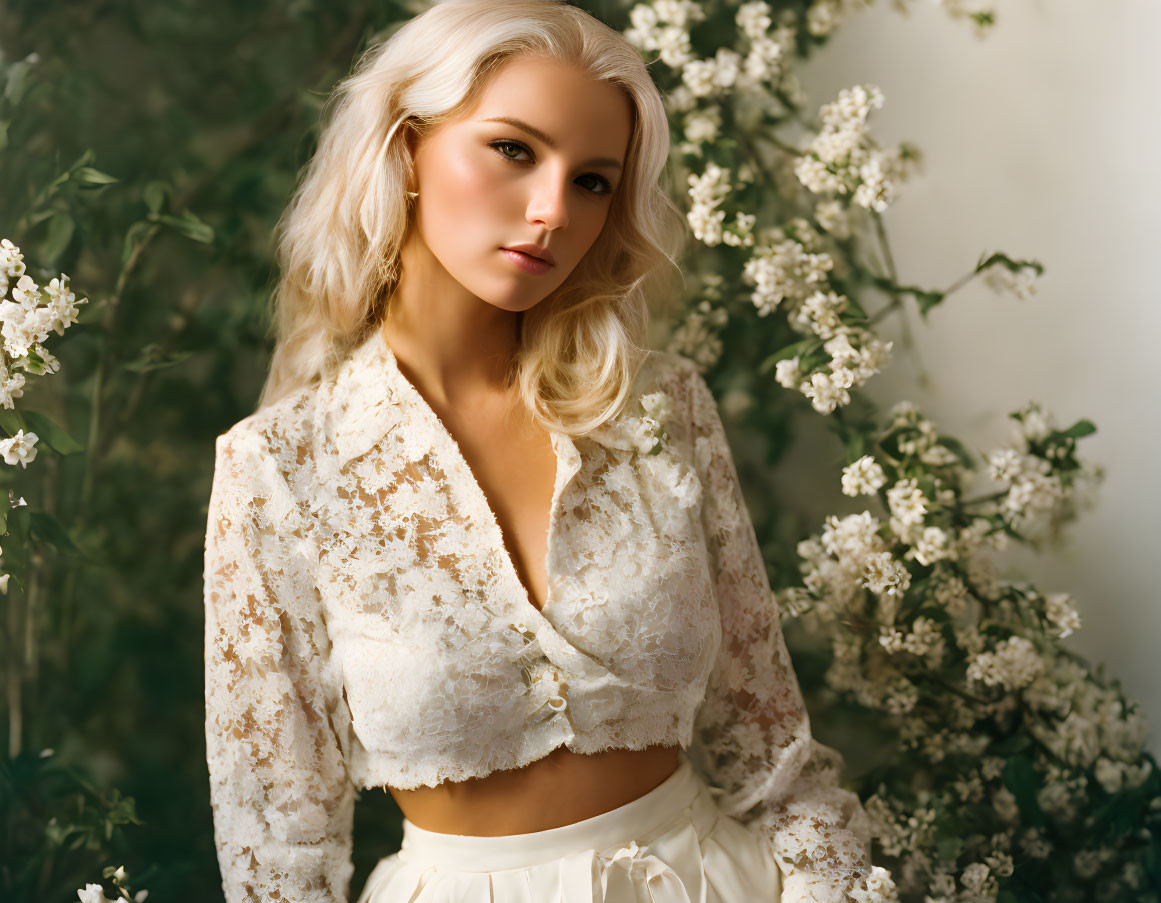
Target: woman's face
(543, 178)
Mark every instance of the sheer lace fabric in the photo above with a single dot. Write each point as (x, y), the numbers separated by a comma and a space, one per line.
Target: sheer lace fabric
(365, 625)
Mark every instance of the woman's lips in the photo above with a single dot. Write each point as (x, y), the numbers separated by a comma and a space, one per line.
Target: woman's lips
(527, 262)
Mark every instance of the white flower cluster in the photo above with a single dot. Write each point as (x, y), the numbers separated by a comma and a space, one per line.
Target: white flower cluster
(664, 26)
(1021, 284)
(834, 218)
(706, 194)
(712, 77)
(907, 831)
(848, 557)
(95, 893)
(841, 158)
(863, 477)
(786, 267)
(824, 16)
(858, 552)
(698, 336)
(1060, 611)
(1040, 494)
(1085, 722)
(848, 367)
(19, 449)
(701, 127)
(25, 324)
(1083, 728)
(789, 268)
(876, 886)
(1014, 664)
(746, 81)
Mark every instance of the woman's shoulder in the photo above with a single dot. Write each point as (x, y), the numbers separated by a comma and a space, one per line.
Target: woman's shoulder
(283, 430)
(665, 367)
(673, 379)
(658, 404)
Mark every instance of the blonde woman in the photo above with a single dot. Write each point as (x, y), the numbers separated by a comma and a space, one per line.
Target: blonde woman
(478, 546)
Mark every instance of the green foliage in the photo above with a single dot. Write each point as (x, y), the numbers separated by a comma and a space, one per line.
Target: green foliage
(60, 827)
(150, 164)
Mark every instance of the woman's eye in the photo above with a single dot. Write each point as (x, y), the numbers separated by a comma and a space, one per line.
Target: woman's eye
(501, 147)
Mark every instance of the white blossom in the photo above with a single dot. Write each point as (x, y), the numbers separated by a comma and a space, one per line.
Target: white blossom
(1060, 611)
(19, 449)
(862, 477)
(93, 893)
(1021, 284)
(1014, 664)
(698, 336)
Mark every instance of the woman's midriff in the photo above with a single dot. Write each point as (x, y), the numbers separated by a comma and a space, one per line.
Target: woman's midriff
(559, 789)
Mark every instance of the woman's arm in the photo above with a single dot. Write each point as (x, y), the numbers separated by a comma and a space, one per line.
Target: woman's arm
(752, 734)
(282, 801)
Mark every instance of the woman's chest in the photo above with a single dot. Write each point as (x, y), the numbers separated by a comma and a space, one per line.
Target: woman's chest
(431, 623)
(413, 548)
(514, 466)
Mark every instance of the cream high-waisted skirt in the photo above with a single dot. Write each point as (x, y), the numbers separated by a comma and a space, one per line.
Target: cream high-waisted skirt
(672, 845)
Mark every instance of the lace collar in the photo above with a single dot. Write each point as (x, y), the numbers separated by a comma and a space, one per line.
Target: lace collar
(369, 396)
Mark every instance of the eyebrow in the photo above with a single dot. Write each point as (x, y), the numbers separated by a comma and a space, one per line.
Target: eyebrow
(541, 136)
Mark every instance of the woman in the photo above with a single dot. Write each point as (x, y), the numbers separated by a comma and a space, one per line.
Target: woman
(477, 546)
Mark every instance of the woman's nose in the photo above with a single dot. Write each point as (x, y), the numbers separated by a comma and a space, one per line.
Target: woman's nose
(549, 203)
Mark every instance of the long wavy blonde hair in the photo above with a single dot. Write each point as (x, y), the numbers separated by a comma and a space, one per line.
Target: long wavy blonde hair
(340, 237)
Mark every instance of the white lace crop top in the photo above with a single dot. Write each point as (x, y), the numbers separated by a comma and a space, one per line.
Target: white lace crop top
(365, 625)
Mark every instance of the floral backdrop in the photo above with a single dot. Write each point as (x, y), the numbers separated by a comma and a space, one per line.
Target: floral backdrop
(146, 151)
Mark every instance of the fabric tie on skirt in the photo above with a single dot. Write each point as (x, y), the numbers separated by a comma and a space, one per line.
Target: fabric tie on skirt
(631, 875)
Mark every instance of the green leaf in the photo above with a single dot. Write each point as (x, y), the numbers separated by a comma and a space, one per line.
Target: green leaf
(928, 300)
(1020, 776)
(855, 309)
(12, 421)
(60, 233)
(87, 175)
(17, 81)
(784, 353)
(1079, 429)
(948, 847)
(16, 550)
(49, 530)
(155, 194)
(52, 435)
(188, 225)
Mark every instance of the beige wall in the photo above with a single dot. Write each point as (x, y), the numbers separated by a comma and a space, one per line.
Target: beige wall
(1044, 141)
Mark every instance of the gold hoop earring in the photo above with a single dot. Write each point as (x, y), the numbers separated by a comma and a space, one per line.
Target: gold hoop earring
(412, 194)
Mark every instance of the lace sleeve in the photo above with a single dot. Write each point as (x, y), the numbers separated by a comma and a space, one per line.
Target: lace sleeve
(752, 733)
(282, 802)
